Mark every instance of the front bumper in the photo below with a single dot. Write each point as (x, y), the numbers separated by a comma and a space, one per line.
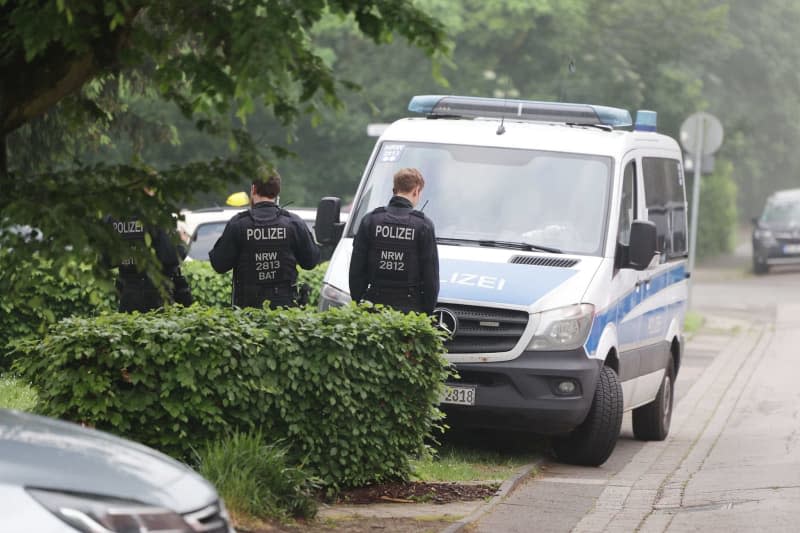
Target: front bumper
(522, 393)
(781, 252)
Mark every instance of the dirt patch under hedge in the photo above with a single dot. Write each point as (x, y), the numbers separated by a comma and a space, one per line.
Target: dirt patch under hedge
(417, 492)
(400, 493)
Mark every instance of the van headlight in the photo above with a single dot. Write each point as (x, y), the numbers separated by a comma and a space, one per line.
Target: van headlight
(564, 328)
(330, 296)
(92, 514)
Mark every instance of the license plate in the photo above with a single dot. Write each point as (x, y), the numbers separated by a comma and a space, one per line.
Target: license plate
(791, 248)
(459, 394)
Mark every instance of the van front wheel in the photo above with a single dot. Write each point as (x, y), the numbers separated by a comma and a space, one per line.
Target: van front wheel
(651, 421)
(592, 442)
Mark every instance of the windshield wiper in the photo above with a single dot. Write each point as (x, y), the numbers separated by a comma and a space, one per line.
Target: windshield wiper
(499, 244)
(520, 245)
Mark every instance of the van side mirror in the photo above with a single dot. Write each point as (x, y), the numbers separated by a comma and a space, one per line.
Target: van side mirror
(755, 221)
(327, 227)
(642, 245)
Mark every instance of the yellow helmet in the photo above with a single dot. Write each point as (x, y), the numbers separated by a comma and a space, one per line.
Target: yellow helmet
(238, 199)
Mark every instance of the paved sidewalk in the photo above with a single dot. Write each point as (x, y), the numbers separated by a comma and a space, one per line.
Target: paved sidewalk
(746, 477)
(731, 463)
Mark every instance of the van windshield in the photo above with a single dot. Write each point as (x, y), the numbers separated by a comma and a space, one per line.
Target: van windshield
(500, 195)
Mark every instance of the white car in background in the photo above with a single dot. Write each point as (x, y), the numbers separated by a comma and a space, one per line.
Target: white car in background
(202, 227)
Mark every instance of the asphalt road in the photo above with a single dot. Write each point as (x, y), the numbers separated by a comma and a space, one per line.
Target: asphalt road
(732, 460)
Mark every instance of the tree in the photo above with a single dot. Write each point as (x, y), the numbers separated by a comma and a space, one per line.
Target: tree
(618, 49)
(70, 69)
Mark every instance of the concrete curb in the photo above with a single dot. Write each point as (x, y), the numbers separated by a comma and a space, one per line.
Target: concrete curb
(507, 486)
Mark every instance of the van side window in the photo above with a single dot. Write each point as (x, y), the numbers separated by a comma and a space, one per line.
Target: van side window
(666, 205)
(627, 211)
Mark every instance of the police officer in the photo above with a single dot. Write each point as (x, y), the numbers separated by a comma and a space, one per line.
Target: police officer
(136, 290)
(263, 246)
(395, 261)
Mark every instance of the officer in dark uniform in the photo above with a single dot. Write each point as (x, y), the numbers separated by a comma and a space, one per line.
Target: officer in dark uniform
(263, 246)
(395, 261)
(135, 289)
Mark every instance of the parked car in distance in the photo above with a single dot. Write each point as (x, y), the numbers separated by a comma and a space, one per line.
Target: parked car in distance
(57, 476)
(205, 226)
(776, 232)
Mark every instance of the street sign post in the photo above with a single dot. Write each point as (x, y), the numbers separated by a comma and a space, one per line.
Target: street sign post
(701, 135)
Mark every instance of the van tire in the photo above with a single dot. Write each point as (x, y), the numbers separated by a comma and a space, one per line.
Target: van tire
(591, 443)
(652, 421)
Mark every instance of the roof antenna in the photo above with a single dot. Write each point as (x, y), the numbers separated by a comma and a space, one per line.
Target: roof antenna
(501, 129)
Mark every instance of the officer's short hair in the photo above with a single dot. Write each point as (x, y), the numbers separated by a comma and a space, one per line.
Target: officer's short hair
(407, 179)
(267, 182)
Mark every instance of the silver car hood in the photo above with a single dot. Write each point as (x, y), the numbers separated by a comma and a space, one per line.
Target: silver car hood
(46, 453)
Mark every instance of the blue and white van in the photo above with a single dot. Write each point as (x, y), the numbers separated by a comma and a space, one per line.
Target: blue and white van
(562, 236)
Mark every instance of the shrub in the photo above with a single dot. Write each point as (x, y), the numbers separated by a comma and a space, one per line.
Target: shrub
(36, 295)
(352, 390)
(210, 288)
(716, 225)
(256, 479)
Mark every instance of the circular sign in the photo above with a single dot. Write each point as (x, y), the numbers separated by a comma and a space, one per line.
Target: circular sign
(701, 126)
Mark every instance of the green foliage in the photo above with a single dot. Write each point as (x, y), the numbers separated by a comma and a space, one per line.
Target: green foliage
(82, 139)
(693, 322)
(313, 278)
(44, 294)
(717, 221)
(353, 390)
(208, 287)
(452, 463)
(14, 394)
(39, 292)
(257, 479)
(212, 289)
(753, 90)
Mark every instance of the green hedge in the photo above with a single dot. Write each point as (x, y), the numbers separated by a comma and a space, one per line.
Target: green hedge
(210, 288)
(353, 390)
(36, 295)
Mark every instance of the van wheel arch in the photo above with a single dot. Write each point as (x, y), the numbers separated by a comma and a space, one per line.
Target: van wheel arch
(675, 350)
(612, 360)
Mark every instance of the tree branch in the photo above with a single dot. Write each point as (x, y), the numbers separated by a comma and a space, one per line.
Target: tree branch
(25, 107)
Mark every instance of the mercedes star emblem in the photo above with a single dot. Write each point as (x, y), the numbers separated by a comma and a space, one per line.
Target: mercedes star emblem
(445, 320)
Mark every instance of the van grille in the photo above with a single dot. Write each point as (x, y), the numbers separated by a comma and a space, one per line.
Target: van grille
(558, 262)
(484, 329)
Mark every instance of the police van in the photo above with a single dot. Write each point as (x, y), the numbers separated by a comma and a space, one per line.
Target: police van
(562, 241)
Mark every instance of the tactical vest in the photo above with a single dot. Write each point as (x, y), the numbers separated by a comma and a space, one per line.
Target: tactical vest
(132, 231)
(135, 290)
(266, 268)
(394, 249)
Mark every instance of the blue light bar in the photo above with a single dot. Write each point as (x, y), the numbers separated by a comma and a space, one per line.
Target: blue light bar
(646, 120)
(434, 105)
